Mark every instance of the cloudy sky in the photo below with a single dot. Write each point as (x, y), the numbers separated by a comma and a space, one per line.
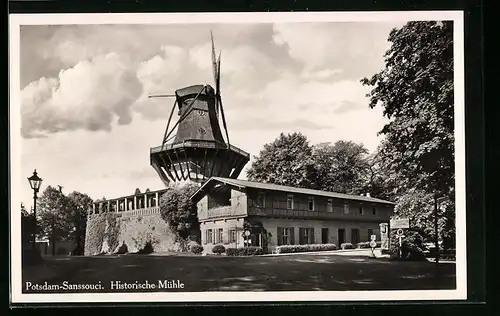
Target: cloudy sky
(87, 123)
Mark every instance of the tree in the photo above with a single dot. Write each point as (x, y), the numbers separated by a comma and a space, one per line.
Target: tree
(27, 227)
(416, 92)
(179, 212)
(53, 219)
(342, 167)
(79, 204)
(288, 160)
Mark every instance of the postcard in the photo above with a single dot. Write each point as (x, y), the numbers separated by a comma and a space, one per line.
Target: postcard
(237, 157)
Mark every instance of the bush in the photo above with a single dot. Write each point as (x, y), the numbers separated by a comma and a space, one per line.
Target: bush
(145, 242)
(364, 244)
(122, 249)
(196, 249)
(148, 248)
(346, 245)
(218, 249)
(246, 251)
(412, 247)
(305, 248)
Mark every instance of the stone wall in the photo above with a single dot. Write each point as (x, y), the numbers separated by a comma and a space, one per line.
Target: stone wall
(107, 232)
(136, 230)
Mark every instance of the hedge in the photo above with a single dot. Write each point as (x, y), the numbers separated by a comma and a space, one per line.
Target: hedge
(246, 251)
(196, 249)
(305, 248)
(346, 245)
(218, 249)
(366, 244)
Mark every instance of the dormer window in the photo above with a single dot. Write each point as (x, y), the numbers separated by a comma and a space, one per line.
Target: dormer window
(311, 203)
(329, 205)
(289, 201)
(261, 200)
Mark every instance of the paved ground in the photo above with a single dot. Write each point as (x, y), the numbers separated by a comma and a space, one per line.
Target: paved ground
(304, 272)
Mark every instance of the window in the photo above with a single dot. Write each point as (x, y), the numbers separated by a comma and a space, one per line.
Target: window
(208, 236)
(289, 201)
(311, 203)
(370, 233)
(329, 205)
(220, 237)
(346, 209)
(374, 211)
(232, 235)
(261, 200)
(360, 210)
(306, 236)
(285, 236)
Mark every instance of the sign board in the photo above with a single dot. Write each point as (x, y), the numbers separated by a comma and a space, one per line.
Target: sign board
(384, 238)
(399, 232)
(400, 223)
(373, 237)
(373, 244)
(383, 228)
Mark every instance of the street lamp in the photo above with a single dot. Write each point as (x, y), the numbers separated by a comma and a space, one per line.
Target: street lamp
(35, 183)
(437, 202)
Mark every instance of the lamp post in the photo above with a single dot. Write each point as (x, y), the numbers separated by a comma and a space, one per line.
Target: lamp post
(437, 202)
(35, 183)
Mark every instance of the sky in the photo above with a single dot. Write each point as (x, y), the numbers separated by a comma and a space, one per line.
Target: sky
(87, 123)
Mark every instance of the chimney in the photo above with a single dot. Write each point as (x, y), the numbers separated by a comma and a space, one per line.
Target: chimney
(368, 194)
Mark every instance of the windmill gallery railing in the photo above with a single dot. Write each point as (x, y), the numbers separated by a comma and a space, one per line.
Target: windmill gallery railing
(196, 144)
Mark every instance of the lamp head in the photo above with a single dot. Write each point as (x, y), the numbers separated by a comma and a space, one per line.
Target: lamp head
(35, 181)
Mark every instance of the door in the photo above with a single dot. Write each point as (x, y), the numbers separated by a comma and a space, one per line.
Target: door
(354, 236)
(324, 235)
(341, 236)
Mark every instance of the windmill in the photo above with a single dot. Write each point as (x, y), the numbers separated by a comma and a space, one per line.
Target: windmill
(194, 148)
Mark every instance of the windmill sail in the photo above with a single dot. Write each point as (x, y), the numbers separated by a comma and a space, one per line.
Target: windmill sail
(198, 150)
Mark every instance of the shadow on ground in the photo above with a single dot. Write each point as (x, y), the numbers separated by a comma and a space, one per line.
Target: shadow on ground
(300, 272)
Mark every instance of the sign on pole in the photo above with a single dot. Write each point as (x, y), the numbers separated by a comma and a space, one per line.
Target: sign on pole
(384, 238)
(400, 223)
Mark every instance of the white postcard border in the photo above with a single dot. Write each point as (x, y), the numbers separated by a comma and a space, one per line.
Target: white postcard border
(16, 20)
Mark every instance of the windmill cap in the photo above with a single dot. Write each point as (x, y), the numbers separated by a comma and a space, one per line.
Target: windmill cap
(194, 90)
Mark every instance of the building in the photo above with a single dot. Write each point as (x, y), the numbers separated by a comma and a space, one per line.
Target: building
(136, 204)
(137, 218)
(281, 215)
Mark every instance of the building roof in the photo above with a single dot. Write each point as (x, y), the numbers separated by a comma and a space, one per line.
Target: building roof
(288, 189)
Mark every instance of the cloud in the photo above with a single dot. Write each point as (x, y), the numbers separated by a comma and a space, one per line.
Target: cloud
(287, 73)
(89, 96)
(356, 48)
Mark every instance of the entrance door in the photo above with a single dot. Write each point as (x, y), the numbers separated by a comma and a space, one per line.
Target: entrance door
(341, 236)
(324, 235)
(354, 236)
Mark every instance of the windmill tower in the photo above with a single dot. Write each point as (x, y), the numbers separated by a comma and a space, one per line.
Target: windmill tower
(194, 147)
